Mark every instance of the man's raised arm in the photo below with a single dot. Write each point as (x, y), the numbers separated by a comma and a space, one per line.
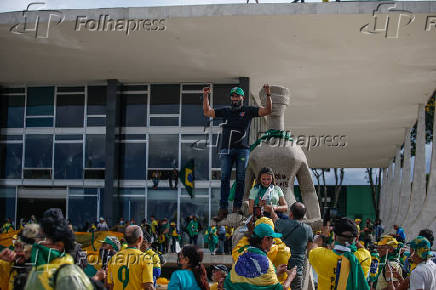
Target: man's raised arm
(207, 110)
(264, 111)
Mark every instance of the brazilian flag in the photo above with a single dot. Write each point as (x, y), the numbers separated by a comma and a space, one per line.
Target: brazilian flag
(187, 176)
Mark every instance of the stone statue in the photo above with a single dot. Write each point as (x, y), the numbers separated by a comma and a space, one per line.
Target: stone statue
(287, 159)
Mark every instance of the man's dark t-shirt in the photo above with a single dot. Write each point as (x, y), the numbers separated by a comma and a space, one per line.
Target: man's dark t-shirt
(236, 126)
(296, 234)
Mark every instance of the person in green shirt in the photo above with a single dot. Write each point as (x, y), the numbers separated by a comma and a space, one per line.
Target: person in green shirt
(212, 239)
(192, 229)
(267, 195)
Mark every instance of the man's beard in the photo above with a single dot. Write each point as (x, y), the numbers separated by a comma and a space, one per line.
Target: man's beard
(236, 105)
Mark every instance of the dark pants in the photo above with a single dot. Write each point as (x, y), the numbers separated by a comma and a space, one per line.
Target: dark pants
(227, 158)
(193, 240)
(173, 244)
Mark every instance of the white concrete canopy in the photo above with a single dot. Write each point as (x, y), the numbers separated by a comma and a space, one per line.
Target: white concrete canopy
(344, 78)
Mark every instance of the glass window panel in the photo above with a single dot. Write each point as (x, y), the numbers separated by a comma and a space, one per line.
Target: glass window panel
(134, 110)
(94, 173)
(39, 150)
(133, 160)
(11, 137)
(132, 207)
(39, 122)
(215, 151)
(37, 173)
(82, 211)
(7, 203)
(215, 201)
(95, 151)
(10, 160)
(192, 110)
(96, 100)
(164, 121)
(198, 206)
(68, 163)
(165, 99)
(164, 151)
(40, 101)
(12, 90)
(136, 88)
(70, 89)
(201, 159)
(69, 137)
(69, 111)
(221, 97)
(96, 122)
(12, 111)
(162, 203)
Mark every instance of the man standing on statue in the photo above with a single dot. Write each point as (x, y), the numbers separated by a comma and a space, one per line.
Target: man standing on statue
(234, 147)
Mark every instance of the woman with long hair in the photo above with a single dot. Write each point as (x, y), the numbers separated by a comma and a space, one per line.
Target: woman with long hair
(192, 276)
(267, 195)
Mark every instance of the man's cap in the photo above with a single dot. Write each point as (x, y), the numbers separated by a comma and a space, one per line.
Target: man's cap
(237, 90)
(101, 218)
(172, 223)
(220, 267)
(357, 220)
(421, 246)
(345, 224)
(264, 220)
(264, 230)
(113, 241)
(388, 241)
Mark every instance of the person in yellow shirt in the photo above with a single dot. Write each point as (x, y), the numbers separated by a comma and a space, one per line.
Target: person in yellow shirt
(130, 268)
(147, 249)
(346, 266)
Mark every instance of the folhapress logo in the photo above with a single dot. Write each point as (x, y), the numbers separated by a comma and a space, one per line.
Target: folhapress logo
(33, 23)
(106, 23)
(387, 20)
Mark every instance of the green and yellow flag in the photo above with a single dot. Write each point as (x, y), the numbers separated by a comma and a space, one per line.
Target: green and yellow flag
(187, 177)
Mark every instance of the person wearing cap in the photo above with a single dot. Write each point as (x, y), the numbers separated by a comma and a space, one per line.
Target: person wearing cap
(400, 235)
(253, 269)
(110, 246)
(343, 266)
(358, 221)
(234, 147)
(219, 274)
(424, 275)
(102, 225)
(389, 264)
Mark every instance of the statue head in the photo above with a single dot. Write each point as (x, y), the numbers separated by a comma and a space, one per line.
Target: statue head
(280, 99)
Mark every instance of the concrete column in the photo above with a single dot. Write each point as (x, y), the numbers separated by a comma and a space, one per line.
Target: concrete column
(387, 193)
(396, 188)
(388, 201)
(428, 214)
(419, 178)
(405, 181)
(110, 210)
(382, 214)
